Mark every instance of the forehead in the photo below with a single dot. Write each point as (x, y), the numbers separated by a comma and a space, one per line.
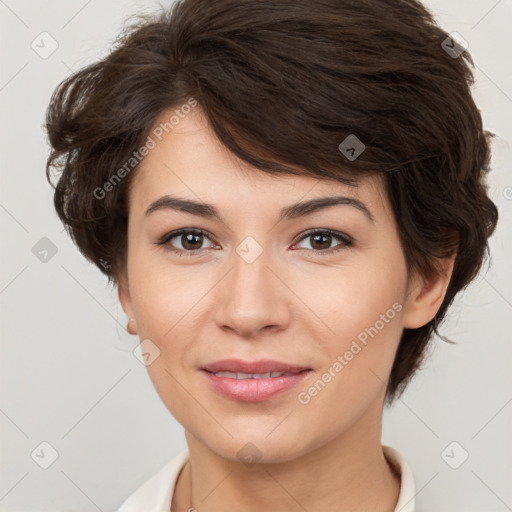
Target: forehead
(188, 160)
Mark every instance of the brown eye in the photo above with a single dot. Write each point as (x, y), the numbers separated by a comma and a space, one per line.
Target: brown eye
(321, 240)
(191, 241)
(184, 241)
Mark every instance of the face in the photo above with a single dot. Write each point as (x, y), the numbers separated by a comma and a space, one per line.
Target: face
(324, 289)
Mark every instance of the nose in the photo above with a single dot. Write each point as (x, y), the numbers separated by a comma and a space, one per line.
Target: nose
(253, 298)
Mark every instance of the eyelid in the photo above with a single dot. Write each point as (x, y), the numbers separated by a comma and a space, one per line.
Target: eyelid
(164, 240)
(346, 240)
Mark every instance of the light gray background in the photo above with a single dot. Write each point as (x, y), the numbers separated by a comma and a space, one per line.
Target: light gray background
(68, 375)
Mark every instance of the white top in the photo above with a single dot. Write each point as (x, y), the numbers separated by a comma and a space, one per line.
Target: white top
(155, 495)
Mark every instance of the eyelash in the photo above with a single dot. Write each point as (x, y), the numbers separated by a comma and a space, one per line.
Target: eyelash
(346, 240)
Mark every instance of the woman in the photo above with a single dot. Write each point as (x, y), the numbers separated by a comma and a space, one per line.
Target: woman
(288, 196)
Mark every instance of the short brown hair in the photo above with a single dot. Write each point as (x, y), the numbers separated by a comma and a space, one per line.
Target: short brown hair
(283, 83)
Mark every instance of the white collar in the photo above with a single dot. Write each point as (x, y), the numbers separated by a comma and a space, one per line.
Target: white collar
(155, 495)
(406, 498)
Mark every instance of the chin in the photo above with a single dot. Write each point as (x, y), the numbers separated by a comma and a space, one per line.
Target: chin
(253, 445)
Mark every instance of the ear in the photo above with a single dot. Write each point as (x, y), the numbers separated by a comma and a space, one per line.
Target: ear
(123, 291)
(426, 294)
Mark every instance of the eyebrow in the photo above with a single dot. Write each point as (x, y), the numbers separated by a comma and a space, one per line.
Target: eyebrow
(289, 212)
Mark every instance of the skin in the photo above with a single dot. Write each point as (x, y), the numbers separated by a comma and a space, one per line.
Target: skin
(292, 304)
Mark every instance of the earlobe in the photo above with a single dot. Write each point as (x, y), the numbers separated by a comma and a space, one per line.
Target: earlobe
(426, 294)
(131, 326)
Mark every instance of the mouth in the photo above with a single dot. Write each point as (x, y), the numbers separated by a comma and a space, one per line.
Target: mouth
(253, 381)
(242, 376)
(260, 367)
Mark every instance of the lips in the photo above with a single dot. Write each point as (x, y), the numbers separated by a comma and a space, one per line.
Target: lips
(262, 366)
(241, 375)
(253, 381)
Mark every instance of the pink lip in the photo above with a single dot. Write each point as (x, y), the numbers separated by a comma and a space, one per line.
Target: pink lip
(253, 390)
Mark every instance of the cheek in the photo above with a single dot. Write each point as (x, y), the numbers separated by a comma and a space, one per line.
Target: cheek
(361, 312)
(167, 301)
(164, 295)
(345, 301)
